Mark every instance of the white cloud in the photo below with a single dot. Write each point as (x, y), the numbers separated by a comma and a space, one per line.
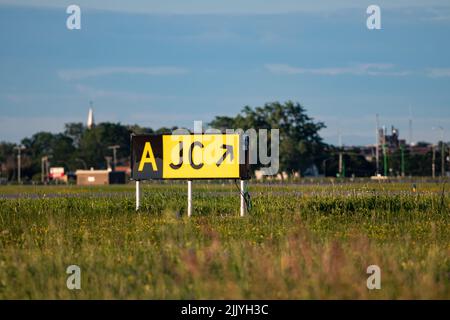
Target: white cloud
(370, 69)
(437, 14)
(438, 72)
(128, 96)
(77, 74)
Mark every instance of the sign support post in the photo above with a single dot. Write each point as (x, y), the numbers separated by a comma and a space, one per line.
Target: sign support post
(189, 206)
(242, 198)
(138, 195)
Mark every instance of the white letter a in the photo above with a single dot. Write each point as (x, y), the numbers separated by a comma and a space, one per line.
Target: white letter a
(74, 280)
(374, 281)
(374, 20)
(74, 20)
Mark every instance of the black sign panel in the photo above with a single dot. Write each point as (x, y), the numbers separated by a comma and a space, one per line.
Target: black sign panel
(152, 145)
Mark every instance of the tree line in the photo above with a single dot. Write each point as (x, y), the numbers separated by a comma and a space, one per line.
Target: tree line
(302, 149)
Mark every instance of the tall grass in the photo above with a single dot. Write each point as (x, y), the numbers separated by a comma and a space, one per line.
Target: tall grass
(298, 242)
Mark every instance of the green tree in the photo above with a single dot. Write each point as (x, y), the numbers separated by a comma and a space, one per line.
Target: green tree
(94, 143)
(58, 147)
(165, 130)
(140, 130)
(7, 160)
(300, 143)
(74, 131)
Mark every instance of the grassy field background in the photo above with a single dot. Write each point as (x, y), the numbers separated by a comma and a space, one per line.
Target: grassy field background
(297, 242)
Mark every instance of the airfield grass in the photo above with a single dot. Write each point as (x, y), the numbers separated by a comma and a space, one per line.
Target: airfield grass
(297, 242)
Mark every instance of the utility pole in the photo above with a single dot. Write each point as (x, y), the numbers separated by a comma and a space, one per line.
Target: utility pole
(402, 148)
(19, 149)
(385, 156)
(44, 169)
(340, 154)
(442, 152)
(410, 127)
(443, 159)
(377, 144)
(343, 168)
(114, 149)
(433, 164)
(108, 162)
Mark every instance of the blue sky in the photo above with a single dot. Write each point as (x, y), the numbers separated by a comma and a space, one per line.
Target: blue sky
(164, 63)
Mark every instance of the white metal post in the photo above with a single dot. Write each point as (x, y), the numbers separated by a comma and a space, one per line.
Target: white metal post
(242, 198)
(42, 169)
(19, 164)
(189, 208)
(138, 195)
(19, 169)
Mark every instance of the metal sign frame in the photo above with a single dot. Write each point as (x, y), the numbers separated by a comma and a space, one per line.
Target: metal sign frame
(244, 168)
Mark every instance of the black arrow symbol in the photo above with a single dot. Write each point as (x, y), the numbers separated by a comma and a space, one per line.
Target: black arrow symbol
(228, 151)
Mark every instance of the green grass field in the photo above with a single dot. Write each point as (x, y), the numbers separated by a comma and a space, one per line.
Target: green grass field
(297, 242)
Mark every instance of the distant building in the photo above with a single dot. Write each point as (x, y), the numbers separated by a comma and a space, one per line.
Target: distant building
(99, 177)
(90, 120)
(92, 177)
(58, 174)
(392, 142)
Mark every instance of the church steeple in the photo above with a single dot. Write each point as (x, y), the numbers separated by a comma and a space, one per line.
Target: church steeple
(90, 120)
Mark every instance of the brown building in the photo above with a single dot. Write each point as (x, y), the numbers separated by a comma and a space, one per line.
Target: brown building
(100, 177)
(92, 177)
